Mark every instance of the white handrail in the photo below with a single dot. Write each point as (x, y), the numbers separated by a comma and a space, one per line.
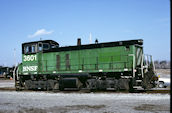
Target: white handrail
(133, 64)
(153, 64)
(142, 66)
(17, 73)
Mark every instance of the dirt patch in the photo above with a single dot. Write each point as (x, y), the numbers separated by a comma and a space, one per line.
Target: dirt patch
(86, 106)
(5, 103)
(57, 109)
(152, 108)
(77, 108)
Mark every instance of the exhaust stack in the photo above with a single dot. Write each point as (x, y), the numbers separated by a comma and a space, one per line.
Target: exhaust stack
(78, 42)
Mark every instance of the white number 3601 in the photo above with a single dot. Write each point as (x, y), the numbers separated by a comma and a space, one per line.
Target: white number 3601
(29, 58)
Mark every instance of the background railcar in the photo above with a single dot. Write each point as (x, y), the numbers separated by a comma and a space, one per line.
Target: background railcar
(109, 66)
(6, 72)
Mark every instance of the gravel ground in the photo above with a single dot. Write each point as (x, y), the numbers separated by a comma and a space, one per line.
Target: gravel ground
(7, 83)
(163, 73)
(43, 102)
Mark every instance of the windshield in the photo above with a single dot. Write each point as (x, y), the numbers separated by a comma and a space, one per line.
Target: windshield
(31, 48)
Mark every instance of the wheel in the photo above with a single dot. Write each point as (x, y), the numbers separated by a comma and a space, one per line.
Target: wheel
(161, 85)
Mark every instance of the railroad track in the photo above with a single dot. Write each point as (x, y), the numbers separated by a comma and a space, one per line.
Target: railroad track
(155, 90)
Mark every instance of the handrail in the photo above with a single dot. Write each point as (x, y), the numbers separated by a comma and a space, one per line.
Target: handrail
(142, 66)
(133, 64)
(17, 73)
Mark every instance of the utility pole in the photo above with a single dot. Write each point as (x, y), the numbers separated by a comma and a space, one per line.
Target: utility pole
(15, 64)
(15, 57)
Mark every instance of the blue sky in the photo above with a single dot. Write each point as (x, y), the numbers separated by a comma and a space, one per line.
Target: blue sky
(66, 20)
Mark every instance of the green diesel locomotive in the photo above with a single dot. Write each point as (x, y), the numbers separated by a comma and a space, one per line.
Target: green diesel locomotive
(100, 66)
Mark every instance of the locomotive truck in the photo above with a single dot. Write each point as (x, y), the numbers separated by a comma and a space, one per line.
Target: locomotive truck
(119, 65)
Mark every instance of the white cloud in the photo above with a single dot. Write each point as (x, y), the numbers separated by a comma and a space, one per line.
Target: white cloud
(40, 32)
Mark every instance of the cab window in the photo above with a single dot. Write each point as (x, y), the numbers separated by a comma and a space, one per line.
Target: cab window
(40, 47)
(30, 49)
(34, 49)
(53, 46)
(27, 49)
(46, 46)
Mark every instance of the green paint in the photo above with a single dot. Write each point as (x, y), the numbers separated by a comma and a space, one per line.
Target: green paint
(107, 59)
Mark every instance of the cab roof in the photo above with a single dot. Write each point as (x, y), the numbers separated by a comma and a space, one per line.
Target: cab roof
(43, 41)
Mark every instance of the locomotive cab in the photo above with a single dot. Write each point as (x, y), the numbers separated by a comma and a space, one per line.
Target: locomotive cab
(32, 61)
(32, 56)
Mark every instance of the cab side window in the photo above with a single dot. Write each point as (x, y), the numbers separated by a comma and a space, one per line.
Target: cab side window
(46, 46)
(53, 46)
(30, 49)
(40, 47)
(34, 49)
